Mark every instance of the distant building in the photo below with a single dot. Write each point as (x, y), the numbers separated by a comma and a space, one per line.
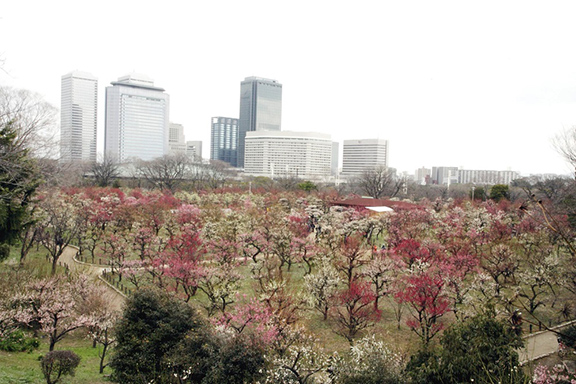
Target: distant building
(305, 155)
(78, 117)
(224, 140)
(176, 139)
(335, 157)
(444, 175)
(260, 109)
(194, 149)
(453, 175)
(361, 155)
(423, 176)
(137, 114)
(466, 176)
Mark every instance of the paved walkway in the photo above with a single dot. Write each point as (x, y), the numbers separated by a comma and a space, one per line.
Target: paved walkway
(541, 344)
(117, 299)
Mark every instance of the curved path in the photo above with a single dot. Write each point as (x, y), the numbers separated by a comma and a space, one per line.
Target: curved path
(68, 258)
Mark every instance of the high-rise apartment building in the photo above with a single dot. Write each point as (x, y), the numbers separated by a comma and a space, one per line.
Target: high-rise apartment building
(224, 140)
(260, 109)
(78, 117)
(361, 155)
(288, 154)
(137, 115)
(176, 139)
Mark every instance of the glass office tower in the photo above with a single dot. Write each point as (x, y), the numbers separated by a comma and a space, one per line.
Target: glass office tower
(224, 140)
(137, 115)
(78, 117)
(260, 109)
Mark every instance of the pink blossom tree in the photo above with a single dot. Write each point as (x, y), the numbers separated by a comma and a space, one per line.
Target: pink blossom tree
(52, 305)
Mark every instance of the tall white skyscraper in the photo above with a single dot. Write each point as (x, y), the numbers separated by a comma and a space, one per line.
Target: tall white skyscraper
(137, 119)
(78, 117)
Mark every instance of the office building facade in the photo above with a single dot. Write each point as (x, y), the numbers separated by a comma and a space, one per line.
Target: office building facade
(224, 140)
(361, 155)
(194, 149)
(137, 116)
(78, 117)
(423, 175)
(466, 176)
(444, 175)
(260, 109)
(176, 139)
(304, 155)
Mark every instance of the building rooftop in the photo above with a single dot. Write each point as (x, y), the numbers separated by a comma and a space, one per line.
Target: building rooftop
(137, 80)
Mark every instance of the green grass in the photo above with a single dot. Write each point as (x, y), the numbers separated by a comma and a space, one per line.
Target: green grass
(24, 367)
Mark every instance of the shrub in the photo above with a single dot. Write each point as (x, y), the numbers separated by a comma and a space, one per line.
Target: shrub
(152, 326)
(482, 348)
(56, 364)
(17, 341)
(568, 336)
(4, 252)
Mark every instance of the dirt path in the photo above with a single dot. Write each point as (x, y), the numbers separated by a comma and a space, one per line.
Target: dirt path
(116, 298)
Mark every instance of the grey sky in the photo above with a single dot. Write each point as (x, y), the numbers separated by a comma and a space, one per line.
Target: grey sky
(476, 84)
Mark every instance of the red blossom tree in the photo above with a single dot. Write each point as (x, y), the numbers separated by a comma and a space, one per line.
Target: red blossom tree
(355, 310)
(424, 293)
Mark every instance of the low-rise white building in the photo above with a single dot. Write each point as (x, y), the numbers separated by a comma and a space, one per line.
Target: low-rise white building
(306, 155)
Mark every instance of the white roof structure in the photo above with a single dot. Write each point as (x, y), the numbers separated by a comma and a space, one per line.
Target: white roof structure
(380, 209)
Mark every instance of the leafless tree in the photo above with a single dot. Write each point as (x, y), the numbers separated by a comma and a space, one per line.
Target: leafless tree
(105, 170)
(565, 145)
(216, 173)
(32, 118)
(166, 172)
(379, 181)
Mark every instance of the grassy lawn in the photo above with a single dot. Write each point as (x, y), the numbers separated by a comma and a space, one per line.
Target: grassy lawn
(24, 367)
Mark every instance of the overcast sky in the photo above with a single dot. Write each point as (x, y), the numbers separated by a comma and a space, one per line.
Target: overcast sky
(471, 84)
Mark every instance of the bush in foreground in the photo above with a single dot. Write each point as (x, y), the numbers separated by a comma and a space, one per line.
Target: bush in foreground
(57, 364)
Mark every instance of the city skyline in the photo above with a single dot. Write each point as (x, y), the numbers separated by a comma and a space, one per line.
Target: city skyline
(431, 78)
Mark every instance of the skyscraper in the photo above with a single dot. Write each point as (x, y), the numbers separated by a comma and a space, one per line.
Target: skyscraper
(78, 118)
(361, 155)
(224, 140)
(137, 114)
(260, 109)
